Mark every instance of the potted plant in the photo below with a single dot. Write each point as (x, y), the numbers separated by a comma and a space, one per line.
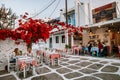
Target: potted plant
(66, 46)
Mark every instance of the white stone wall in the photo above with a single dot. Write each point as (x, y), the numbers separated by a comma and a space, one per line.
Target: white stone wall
(59, 45)
(118, 9)
(47, 43)
(83, 14)
(7, 46)
(55, 45)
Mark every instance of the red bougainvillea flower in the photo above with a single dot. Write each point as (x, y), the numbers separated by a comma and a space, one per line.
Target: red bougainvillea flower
(17, 42)
(24, 16)
(31, 30)
(5, 34)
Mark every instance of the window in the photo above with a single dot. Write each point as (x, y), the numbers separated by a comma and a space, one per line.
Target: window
(57, 39)
(63, 39)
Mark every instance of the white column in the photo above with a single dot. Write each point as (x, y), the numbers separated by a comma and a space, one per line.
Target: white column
(72, 41)
(90, 12)
(118, 9)
(60, 41)
(53, 40)
(66, 37)
(77, 13)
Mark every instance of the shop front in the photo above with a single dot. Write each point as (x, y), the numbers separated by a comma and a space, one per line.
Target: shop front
(107, 32)
(105, 27)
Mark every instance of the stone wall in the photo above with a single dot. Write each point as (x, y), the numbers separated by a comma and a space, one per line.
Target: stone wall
(7, 46)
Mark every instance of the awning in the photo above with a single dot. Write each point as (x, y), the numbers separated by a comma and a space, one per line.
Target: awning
(114, 21)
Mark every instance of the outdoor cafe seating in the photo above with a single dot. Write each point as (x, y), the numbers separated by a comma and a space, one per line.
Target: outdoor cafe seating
(51, 57)
(24, 63)
(21, 64)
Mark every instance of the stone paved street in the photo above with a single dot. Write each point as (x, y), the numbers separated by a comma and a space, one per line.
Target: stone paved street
(73, 67)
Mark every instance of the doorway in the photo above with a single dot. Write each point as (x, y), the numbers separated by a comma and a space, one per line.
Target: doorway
(50, 43)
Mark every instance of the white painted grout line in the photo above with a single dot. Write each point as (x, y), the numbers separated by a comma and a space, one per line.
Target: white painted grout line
(71, 58)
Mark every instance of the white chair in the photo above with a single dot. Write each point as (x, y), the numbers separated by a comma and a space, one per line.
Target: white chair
(39, 59)
(47, 59)
(27, 67)
(11, 62)
(66, 52)
(55, 62)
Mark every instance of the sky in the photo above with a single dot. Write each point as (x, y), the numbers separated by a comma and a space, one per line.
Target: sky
(35, 6)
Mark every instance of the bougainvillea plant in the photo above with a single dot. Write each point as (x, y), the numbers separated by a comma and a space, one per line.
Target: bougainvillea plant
(31, 30)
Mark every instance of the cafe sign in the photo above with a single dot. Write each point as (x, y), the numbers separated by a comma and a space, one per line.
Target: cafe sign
(104, 13)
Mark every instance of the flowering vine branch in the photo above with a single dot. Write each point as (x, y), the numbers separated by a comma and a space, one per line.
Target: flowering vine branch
(31, 30)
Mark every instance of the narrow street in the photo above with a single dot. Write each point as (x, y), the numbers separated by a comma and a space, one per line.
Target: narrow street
(73, 67)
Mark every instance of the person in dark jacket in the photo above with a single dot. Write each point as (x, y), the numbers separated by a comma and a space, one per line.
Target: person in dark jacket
(89, 48)
(104, 51)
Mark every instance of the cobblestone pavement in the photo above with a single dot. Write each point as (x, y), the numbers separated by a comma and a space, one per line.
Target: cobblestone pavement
(73, 67)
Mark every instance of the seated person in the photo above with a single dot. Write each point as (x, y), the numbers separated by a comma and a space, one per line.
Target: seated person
(16, 51)
(29, 52)
(20, 52)
(85, 49)
(13, 54)
(105, 50)
(95, 50)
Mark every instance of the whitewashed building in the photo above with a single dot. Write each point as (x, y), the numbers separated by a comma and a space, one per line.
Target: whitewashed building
(82, 14)
(76, 16)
